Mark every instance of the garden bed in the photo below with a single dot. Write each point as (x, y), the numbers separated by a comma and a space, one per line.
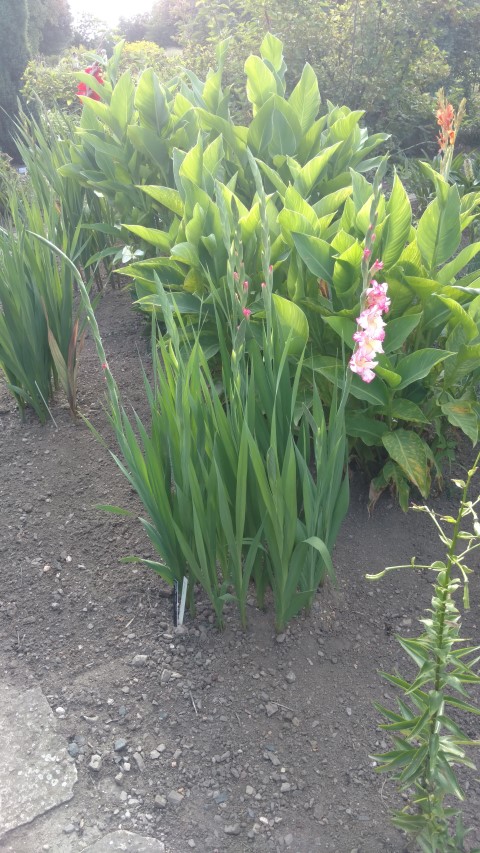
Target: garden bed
(234, 741)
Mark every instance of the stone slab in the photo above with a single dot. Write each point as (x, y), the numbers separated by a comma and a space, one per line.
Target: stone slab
(121, 840)
(36, 772)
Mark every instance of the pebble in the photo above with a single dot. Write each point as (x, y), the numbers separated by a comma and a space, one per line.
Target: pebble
(290, 677)
(139, 761)
(69, 828)
(232, 829)
(271, 709)
(285, 787)
(60, 712)
(160, 801)
(175, 798)
(120, 744)
(139, 660)
(191, 843)
(73, 749)
(288, 840)
(280, 638)
(95, 763)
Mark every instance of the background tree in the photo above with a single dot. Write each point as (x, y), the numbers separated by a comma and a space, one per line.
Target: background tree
(14, 55)
(49, 26)
(90, 31)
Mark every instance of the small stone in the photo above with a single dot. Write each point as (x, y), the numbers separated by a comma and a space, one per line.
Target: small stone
(28, 508)
(60, 712)
(349, 712)
(139, 761)
(280, 638)
(232, 829)
(139, 660)
(95, 763)
(250, 792)
(191, 843)
(73, 749)
(69, 828)
(290, 677)
(174, 798)
(120, 744)
(271, 709)
(161, 747)
(165, 676)
(161, 802)
(318, 812)
(285, 787)
(154, 754)
(288, 840)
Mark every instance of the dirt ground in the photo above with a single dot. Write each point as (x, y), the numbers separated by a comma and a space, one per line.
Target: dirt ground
(215, 742)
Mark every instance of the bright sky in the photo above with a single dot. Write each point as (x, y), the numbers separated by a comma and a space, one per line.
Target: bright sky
(110, 10)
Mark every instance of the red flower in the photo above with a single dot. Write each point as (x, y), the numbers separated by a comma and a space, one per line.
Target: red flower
(85, 90)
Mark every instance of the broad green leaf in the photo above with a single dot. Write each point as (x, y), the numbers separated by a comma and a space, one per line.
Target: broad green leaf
(271, 49)
(438, 231)
(368, 429)
(450, 270)
(461, 413)
(293, 323)
(405, 410)
(275, 129)
(151, 235)
(398, 330)
(317, 254)
(309, 175)
(460, 316)
(166, 196)
(150, 101)
(333, 369)
(121, 103)
(305, 98)
(261, 83)
(148, 142)
(418, 364)
(344, 327)
(411, 453)
(397, 226)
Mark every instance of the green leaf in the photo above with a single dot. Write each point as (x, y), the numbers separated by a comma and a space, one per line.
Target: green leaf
(366, 428)
(169, 198)
(305, 98)
(397, 226)
(151, 235)
(344, 327)
(405, 410)
(275, 129)
(398, 330)
(438, 231)
(271, 49)
(449, 271)
(317, 254)
(121, 103)
(411, 454)
(418, 364)
(462, 414)
(261, 83)
(293, 322)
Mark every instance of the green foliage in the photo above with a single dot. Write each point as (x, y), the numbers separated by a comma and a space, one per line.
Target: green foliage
(15, 55)
(170, 159)
(244, 453)
(428, 742)
(49, 26)
(40, 336)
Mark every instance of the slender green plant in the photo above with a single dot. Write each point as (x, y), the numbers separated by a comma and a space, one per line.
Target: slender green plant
(428, 742)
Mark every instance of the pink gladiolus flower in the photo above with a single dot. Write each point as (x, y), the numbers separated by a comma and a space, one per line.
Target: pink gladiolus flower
(235, 275)
(377, 296)
(370, 345)
(264, 284)
(371, 320)
(366, 254)
(377, 265)
(105, 365)
(246, 312)
(362, 364)
(245, 285)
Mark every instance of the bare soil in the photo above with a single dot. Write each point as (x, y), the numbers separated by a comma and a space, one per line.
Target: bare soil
(234, 741)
